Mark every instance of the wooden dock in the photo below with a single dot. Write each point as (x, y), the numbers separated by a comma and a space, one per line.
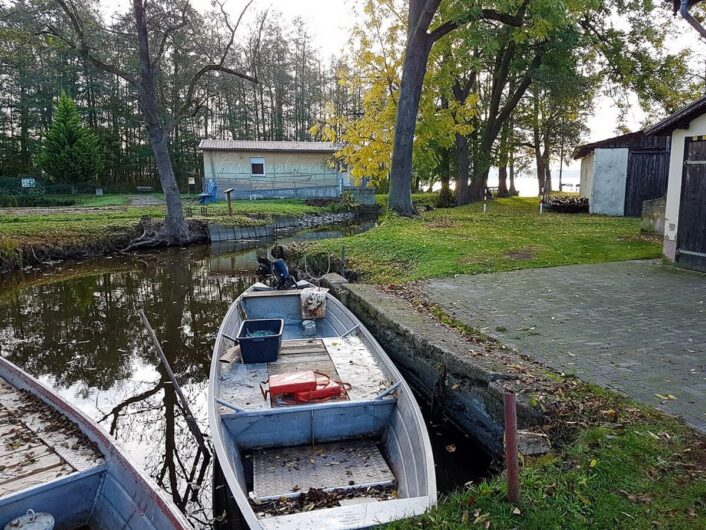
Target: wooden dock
(38, 444)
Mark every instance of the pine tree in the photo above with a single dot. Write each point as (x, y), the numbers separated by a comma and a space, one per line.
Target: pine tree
(70, 153)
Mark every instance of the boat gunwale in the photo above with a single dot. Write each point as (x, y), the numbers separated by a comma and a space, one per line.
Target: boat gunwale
(308, 406)
(110, 448)
(216, 418)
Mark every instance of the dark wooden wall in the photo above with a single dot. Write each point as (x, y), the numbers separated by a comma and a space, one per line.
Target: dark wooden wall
(648, 172)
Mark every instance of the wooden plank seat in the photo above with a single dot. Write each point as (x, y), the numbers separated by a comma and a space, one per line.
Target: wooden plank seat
(37, 444)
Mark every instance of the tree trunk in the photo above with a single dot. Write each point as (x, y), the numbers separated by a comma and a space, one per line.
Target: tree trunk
(502, 181)
(462, 168)
(511, 163)
(413, 71)
(502, 163)
(175, 226)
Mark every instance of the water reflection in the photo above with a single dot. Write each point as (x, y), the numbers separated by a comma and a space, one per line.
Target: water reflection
(75, 326)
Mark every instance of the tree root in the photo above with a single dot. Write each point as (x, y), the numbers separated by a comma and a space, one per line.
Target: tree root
(155, 234)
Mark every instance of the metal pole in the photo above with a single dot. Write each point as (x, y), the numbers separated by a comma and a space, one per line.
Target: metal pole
(342, 271)
(485, 201)
(511, 462)
(190, 420)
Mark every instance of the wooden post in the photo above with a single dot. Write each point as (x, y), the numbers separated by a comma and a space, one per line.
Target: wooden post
(190, 420)
(230, 207)
(512, 464)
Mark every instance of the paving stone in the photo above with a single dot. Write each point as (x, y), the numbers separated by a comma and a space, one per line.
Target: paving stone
(635, 326)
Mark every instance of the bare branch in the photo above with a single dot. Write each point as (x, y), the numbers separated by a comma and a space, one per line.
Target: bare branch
(474, 15)
(220, 66)
(82, 45)
(168, 33)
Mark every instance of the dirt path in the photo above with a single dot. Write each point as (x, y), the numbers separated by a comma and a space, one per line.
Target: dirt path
(59, 210)
(145, 200)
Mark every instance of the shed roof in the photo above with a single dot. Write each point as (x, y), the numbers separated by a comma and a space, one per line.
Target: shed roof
(624, 140)
(268, 146)
(680, 119)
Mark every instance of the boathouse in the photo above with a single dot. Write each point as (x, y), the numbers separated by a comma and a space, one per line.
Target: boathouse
(272, 169)
(619, 173)
(685, 215)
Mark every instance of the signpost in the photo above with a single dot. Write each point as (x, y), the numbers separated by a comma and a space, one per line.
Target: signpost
(192, 182)
(230, 207)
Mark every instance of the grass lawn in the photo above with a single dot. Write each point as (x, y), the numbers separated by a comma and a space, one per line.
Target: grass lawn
(512, 235)
(637, 469)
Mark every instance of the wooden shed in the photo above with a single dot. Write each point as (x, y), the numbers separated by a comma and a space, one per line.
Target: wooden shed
(273, 169)
(685, 215)
(619, 173)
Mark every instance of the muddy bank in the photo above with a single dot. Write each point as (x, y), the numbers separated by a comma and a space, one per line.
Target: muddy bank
(115, 239)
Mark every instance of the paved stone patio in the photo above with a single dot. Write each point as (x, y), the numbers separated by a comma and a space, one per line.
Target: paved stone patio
(634, 326)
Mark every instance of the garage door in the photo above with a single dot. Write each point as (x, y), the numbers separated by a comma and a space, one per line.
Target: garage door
(691, 235)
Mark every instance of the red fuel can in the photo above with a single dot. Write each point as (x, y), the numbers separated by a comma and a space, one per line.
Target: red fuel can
(289, 383)
(325, 388)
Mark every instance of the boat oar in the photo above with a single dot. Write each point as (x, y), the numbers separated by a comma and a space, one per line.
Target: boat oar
(190, 420)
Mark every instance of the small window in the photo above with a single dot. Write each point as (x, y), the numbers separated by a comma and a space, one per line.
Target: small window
(257, 167)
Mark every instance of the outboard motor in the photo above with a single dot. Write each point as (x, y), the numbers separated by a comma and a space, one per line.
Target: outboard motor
(280, 271)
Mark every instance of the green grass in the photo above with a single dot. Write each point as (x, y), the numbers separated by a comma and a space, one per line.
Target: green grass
(645, 473)
(512, 235)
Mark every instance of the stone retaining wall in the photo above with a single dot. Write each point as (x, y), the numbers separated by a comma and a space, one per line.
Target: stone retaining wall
(436, 362)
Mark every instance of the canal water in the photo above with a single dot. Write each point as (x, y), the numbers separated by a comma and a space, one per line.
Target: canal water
(75, 327)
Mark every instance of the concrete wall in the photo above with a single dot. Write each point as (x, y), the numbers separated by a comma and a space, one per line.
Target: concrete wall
(610, 170)
(652, 220)
(290, 174)
(697, 127)
(586, 175)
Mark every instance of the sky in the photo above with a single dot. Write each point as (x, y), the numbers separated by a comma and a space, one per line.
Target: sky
(330, 23)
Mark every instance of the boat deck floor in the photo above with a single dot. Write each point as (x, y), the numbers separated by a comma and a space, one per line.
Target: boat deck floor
(345, 359)
(290, 471)
(37, 443)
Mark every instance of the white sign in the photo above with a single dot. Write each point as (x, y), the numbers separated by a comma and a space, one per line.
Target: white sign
(29, 183)
(192, 181)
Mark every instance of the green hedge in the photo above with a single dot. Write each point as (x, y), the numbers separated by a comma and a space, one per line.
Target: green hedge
(21, 201)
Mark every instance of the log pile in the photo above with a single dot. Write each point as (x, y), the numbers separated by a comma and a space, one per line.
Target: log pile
(566, 204)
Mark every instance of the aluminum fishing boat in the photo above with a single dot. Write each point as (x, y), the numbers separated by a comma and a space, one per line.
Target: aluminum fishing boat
(352, 460)
(56, 460)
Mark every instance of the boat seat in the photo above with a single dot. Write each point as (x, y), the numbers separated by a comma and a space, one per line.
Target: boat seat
(289, 471)
(309, 424)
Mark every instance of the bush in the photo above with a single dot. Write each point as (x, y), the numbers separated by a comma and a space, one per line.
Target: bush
(566, 204)
(25, 201)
